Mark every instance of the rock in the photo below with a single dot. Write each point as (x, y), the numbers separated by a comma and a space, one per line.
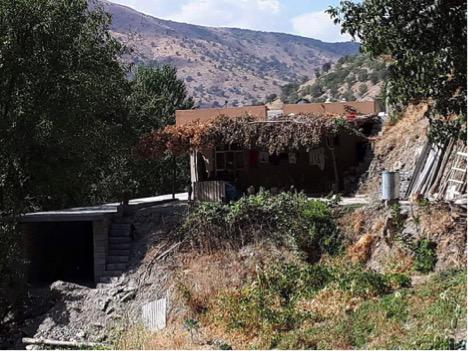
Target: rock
(105, 303)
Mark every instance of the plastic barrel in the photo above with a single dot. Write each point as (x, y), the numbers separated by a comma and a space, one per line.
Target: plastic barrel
(390, 185)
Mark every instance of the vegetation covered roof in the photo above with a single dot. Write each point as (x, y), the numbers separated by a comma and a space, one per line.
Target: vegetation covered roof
(275, 136)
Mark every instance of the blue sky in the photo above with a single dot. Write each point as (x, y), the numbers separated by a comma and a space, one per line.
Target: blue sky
(301, 17)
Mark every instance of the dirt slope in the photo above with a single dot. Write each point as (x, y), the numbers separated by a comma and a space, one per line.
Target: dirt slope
(397, 147)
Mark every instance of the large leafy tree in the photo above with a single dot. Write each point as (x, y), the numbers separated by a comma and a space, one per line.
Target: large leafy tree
(62, 93)
(156, 93)
(425, 43)
(62, 113)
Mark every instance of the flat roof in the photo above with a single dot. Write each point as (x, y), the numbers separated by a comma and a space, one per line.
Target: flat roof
(91, 213)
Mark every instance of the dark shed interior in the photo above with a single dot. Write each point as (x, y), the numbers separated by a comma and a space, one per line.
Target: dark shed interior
(60, 251)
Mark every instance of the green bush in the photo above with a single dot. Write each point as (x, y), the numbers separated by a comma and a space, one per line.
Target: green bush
(426, 256)
(362, 283)
(287, 218)
(362, 89)
(322, 228)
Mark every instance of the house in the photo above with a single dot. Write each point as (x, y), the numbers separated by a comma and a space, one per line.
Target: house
(302, 146)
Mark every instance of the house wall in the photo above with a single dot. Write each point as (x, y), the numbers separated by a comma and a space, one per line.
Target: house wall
(208, 114)
(304, 176)
(260, 112)
(364, 107)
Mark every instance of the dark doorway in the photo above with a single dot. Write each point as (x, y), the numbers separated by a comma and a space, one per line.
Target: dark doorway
(60, 251)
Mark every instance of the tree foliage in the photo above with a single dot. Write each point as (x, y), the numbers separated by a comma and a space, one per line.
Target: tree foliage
(70, 117)
(62, 115)
(156, 93)
(62, 91)
(425, 43)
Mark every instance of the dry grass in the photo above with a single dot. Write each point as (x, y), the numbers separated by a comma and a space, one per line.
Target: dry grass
(133, 338)
(436, 220)
(448, 229)
(358, 221)
(360, 251)
(330, 303)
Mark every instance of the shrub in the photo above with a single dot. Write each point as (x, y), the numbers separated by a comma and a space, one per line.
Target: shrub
(426, 256)
(362, 89)
(362, 283)
(288, 218)
(268, 306)
(362, 75)
(322, 228)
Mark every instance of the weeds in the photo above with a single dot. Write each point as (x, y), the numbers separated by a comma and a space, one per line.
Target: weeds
(426, 256)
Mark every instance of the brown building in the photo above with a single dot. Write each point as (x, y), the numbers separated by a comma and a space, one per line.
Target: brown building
(334, 164)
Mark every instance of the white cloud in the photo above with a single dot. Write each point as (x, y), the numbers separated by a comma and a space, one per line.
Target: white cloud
(251, 14)
(318, 25)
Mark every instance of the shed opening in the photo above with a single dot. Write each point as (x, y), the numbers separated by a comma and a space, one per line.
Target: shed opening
(60, 251)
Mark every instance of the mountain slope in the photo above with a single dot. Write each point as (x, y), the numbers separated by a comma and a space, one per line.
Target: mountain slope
(353, 77)
(219, 64)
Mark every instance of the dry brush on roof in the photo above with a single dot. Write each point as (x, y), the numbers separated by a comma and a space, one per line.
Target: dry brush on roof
(282, 134)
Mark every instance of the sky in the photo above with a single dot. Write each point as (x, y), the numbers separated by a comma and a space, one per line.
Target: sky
(300, 17)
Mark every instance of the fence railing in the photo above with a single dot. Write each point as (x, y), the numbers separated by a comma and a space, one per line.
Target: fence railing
(212, 190)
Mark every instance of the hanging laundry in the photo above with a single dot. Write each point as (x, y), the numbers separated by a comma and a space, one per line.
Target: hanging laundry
(292, 157)
(317, 157)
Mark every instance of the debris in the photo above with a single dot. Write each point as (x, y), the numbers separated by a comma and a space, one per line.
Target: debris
(128, 296)
(75, 344)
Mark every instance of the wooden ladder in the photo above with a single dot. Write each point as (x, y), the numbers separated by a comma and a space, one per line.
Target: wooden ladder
(457, 177)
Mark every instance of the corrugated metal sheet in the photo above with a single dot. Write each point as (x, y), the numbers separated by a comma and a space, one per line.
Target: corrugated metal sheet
(154, 315)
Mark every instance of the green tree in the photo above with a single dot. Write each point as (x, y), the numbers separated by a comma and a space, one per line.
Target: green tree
(326, 67)
(426, 43)
(289, 93)
(156, 93)
(374, 77)
(62, 115)
(271, 97)
(362, 75)
(62, 94)
(362, 89)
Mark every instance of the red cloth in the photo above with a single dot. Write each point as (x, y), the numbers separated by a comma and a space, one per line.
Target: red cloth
(253, 158)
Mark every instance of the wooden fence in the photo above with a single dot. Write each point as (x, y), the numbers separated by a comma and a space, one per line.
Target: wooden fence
(213, 190)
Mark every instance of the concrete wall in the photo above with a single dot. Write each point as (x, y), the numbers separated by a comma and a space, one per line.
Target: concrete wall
(100, 239)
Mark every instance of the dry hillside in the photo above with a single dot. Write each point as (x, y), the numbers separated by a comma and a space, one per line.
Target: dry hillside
(352, 77)
(219, 64)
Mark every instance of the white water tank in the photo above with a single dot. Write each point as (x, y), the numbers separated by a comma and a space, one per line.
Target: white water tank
(390, 185)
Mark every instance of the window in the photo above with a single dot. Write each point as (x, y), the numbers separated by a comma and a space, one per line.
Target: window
(229, 158)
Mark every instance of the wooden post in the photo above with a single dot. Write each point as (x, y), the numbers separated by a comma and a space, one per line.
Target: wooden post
(174, 171)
